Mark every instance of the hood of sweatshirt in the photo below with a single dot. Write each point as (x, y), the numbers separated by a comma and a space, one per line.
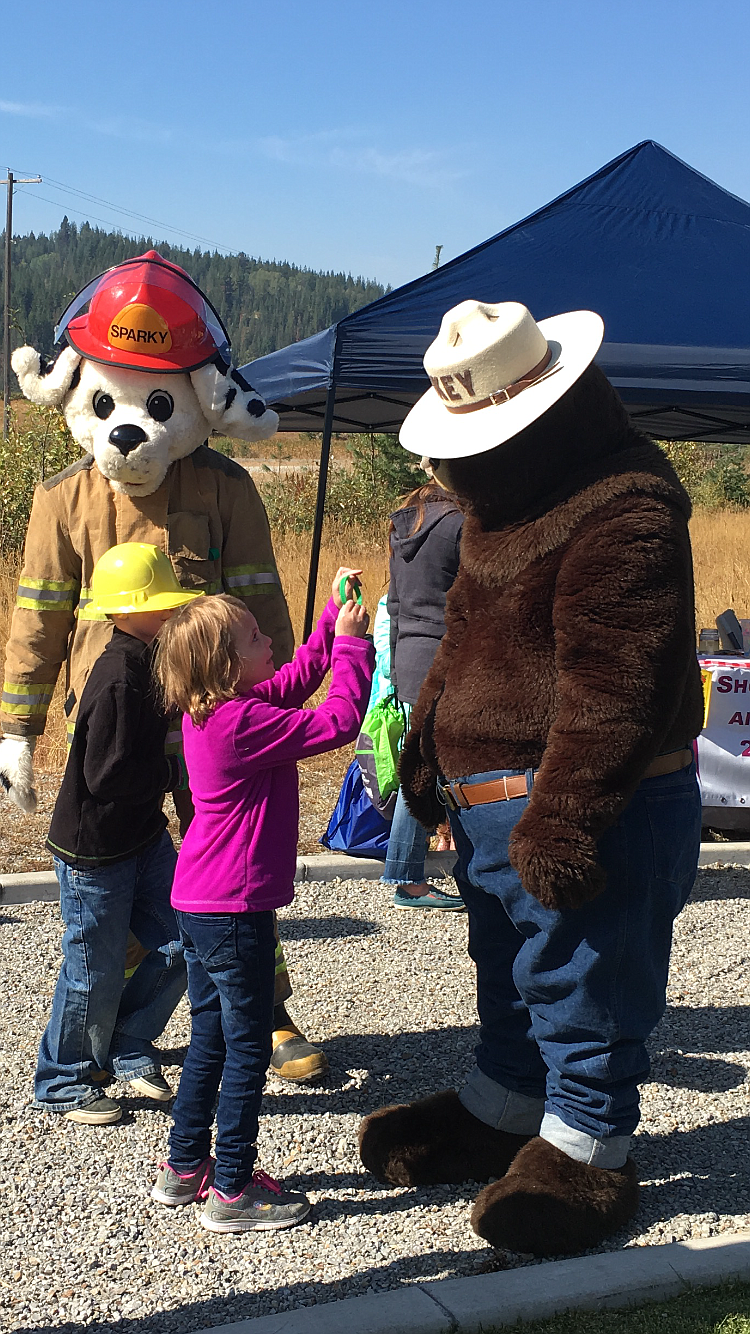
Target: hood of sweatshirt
(404, 542)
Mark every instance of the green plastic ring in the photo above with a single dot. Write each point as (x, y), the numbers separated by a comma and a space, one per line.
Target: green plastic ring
(357, 589)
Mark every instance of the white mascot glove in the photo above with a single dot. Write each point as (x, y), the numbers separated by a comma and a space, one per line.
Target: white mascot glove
(17, 770)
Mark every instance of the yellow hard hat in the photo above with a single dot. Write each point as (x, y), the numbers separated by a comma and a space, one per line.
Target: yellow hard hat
(135, 576)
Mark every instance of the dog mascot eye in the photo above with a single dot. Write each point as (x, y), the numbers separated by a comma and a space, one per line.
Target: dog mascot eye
(104, 405)
(160, 405)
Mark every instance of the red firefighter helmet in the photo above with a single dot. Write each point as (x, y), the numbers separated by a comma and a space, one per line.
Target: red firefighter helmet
(146, 315)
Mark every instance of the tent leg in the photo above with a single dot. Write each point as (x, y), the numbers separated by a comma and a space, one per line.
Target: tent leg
(325, 453)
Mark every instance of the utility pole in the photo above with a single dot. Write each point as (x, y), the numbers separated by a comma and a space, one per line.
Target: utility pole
(10, 182)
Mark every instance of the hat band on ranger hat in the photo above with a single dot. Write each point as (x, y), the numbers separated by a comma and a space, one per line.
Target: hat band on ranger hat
(537, 373)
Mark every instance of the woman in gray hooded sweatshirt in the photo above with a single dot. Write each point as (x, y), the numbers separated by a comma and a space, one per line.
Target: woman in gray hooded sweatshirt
(425, 538)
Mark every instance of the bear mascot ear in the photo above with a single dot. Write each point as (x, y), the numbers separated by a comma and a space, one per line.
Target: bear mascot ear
(230, 405)
(46, 384)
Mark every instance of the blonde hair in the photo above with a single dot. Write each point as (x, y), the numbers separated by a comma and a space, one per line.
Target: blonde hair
(196, 662)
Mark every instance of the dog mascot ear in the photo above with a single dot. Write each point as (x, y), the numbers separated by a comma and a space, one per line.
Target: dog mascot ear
(230, 405)
(46, 383)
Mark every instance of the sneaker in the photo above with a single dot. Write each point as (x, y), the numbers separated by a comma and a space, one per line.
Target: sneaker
(183, 1187)
(434, 898)
(103, 1112)
(152, 1086)
(261, 1207)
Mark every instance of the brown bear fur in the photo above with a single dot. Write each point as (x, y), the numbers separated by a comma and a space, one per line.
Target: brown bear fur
(550, 1204)
(434, 1141)
(570, 641)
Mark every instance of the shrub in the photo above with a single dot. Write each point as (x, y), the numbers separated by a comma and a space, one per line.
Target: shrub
(714, 476)
(361, 496)
(39, 445)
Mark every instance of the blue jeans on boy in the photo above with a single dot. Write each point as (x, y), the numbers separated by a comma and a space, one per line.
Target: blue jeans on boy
(567, 999)
(98, 1021)
(230, 964)
(407, 848)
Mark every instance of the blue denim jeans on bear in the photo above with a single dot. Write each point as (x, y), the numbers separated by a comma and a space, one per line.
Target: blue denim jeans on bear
(98, 1021)
(567, 999)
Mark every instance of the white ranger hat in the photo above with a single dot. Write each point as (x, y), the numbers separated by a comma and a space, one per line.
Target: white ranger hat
(493, 371)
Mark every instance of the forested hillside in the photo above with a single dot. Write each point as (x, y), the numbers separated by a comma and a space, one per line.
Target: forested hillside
(264, 305)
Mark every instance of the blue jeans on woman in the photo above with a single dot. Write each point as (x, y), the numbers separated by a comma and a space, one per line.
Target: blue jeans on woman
(98, 1021)
(567, 999)
(230, 965)
(407, 848)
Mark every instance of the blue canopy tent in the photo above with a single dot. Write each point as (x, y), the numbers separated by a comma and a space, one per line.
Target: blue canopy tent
(660, 251)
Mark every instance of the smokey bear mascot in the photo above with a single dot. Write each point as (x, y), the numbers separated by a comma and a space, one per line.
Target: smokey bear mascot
(556, 726)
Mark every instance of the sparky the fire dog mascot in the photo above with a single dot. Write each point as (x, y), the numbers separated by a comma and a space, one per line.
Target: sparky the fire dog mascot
(146, 376)
(556, 725)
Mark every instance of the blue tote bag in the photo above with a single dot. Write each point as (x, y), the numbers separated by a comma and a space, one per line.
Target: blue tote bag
(355, 826)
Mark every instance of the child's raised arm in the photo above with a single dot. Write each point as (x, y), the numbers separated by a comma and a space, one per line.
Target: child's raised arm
(269, 735)
(299, 679)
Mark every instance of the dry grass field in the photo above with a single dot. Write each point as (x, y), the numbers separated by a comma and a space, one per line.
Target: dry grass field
(721, 549)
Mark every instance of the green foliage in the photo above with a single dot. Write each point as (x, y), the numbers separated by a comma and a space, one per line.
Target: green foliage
(37, 447)
(720, 1310)
(714, 476)
(386, 466)
(223, 445)
(362, 496)
(265, 305)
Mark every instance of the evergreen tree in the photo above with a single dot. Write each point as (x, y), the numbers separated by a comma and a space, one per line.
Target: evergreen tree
(265, 305)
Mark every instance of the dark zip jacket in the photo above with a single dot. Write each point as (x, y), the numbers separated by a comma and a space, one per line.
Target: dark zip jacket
(109, 804)
(423, 567)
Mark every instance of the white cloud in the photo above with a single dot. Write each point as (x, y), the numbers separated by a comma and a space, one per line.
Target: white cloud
(120, 127)
(344, 150)
(31, 110)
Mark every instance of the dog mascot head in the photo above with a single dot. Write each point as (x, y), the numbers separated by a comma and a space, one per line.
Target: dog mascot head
(146, 375)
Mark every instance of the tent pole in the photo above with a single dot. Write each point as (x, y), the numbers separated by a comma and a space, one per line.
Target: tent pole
(325, 453)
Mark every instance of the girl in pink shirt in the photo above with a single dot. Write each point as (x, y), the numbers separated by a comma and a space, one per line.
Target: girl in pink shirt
(244, 728)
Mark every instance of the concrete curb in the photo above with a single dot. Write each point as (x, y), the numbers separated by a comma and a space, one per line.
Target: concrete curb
(41, 886)
(472, 1305)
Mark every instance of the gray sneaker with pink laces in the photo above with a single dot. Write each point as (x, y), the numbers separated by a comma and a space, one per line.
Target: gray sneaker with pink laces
(182, 1187)
(263, 1206)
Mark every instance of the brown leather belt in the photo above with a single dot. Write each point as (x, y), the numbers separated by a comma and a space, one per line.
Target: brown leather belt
(462, 796)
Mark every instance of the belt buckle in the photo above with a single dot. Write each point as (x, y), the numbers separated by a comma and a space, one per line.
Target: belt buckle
(447, 797)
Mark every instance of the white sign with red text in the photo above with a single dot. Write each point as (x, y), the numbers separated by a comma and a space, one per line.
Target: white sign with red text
(724, 743)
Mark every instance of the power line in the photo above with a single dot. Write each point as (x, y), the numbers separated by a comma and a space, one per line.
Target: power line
(93, 217)
(130, 213)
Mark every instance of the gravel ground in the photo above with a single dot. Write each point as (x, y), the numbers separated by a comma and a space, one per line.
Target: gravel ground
(391, 994)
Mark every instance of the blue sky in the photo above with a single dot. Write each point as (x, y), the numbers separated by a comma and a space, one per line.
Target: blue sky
(357, 136)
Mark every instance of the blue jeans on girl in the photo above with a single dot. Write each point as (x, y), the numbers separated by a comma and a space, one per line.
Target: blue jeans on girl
(98, 1021)
(230, 965)
(567, 999)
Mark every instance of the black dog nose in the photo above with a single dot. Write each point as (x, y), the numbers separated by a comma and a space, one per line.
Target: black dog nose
(127, 438)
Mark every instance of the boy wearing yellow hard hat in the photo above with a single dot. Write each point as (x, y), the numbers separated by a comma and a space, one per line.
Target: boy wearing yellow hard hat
(114, 859)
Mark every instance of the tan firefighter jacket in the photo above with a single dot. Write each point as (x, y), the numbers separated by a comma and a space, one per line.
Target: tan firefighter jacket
(207, 517)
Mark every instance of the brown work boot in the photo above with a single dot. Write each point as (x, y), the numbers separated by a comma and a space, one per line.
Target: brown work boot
(550, 1204)
(293, 1057)
(434, 1141)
